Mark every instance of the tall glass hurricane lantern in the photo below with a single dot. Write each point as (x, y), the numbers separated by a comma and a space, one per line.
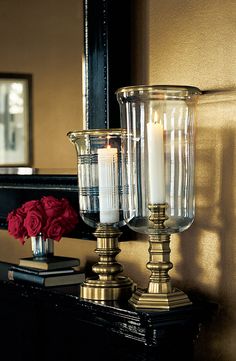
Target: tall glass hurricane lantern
(100, 201)
(158, 178)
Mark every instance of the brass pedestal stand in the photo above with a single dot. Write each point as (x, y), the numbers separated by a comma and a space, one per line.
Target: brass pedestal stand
(108, 285)
(160, 294)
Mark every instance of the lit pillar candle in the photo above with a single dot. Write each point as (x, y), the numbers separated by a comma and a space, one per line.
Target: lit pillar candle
(156, 172)
(108, 185)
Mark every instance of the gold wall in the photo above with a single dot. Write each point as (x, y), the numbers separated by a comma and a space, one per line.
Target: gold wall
(192, 43)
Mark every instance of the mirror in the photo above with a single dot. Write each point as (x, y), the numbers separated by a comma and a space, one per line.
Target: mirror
(46, 39)
(86, 33)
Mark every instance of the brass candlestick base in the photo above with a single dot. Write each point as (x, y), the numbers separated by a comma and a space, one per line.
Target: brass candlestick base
(160, 293)
(108, 285)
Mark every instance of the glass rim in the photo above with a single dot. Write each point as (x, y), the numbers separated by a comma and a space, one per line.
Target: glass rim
(95, 132)
(177, 89)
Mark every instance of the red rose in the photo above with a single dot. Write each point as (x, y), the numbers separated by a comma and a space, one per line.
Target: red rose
(35, 205)
(16, 225)
(69, 218)
(34, 222)
(49, 216)
(52, 206)
(55, 229)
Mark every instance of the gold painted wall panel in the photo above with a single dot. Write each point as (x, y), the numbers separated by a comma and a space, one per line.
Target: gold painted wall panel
(192, 42)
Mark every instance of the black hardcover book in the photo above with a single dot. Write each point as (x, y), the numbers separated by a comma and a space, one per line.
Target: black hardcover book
(40, 272)
(61, 279)
(50, 263)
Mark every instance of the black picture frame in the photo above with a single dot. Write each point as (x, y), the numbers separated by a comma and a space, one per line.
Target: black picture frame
(107, 67)
(107, 59)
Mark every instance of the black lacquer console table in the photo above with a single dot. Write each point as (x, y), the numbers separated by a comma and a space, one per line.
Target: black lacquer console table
(55, 324)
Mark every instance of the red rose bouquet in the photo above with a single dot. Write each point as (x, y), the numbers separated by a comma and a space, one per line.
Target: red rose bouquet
(48, 216)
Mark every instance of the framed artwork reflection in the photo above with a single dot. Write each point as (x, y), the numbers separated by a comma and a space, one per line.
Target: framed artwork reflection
(15, 119)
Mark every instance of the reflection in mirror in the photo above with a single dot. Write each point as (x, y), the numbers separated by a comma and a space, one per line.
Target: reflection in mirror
(42, 171)
(15, 119)
(45, 39)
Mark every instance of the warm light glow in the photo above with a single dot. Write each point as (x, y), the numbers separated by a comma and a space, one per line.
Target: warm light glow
(156, 118)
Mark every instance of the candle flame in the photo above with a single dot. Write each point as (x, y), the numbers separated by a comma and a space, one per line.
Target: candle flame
(156, 118)
(108, 141)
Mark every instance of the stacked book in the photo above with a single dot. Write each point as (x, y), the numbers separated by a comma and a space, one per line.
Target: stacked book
(47, 272)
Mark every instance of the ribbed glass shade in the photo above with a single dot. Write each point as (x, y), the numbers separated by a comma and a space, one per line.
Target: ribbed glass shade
(99, 175)
(158, 154)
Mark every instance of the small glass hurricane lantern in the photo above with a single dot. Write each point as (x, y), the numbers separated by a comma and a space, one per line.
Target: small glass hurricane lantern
(158, 178)
(100, 199)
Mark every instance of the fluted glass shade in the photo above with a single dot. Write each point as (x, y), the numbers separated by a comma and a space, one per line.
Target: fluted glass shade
(99, 175)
